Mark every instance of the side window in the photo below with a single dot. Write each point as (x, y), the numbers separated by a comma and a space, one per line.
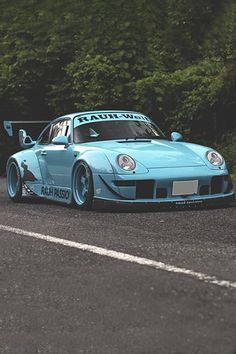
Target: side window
(60, 128)
(44, 137)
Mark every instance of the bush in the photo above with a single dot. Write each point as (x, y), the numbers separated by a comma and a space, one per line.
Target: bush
(227, 147)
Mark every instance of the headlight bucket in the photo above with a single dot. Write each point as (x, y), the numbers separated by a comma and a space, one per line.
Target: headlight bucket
(126, 162)
(214, 158)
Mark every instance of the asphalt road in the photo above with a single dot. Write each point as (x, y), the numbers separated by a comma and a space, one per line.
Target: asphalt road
(56, 298)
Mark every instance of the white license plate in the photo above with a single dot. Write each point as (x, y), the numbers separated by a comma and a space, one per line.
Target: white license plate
(185, 187)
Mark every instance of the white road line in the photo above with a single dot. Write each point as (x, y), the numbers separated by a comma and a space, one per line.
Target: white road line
(123, 257)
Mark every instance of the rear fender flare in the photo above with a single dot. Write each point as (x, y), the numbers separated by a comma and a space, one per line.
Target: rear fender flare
(28, 165)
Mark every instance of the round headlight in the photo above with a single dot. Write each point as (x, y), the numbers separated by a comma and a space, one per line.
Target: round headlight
(214, 158)
(126, 162)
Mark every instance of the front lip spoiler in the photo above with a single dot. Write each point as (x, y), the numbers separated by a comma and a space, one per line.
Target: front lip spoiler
(177, 205)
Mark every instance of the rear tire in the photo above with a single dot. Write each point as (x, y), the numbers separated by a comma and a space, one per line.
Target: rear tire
(14, 181)
(82, 186)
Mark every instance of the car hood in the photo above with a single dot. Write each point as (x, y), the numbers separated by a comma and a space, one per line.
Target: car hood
(153, 153)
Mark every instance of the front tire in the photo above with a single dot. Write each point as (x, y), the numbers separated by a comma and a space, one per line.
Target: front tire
(14, 182)
(82, 186)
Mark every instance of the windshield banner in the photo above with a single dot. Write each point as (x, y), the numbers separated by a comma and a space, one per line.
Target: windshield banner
(101, 117)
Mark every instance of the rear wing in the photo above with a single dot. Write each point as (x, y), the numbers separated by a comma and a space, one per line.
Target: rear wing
(9, 132)
(33, 127)
(9, 137)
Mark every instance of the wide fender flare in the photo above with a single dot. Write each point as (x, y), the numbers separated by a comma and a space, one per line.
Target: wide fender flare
(103, 173)
(97, 162)
(201, 151)
(28, 165)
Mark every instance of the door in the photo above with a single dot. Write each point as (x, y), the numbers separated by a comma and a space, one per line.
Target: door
(56, 160)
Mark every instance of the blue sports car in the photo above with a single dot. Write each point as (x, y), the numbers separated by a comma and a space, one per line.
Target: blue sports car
(116, 156)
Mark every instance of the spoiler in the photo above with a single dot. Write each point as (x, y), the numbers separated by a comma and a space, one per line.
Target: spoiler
(8, 124)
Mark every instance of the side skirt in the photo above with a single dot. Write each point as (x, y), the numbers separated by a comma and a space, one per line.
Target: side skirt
(56, 193)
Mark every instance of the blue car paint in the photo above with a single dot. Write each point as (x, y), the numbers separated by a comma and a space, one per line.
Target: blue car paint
(165, 179)
(47, 171)
(160, 153)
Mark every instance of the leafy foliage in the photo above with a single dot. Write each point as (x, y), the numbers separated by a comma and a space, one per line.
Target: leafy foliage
(173, 59)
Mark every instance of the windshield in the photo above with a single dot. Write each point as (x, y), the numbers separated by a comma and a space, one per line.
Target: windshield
(115, 130)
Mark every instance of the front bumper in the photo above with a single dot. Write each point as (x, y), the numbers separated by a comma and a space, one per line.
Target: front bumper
(155, 187)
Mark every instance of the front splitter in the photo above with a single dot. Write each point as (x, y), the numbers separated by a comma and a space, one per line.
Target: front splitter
(155, 205)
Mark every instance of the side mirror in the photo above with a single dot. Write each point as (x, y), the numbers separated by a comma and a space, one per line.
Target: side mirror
(60, 140)
(25, 140)
(175, 136)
